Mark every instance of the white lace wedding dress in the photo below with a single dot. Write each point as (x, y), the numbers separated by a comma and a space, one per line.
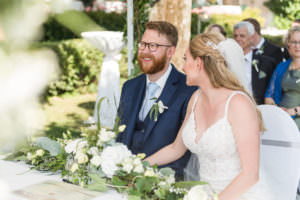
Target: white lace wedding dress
(218, 156)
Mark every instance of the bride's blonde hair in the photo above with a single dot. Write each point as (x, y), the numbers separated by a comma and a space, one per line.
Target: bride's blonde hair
(205, 47)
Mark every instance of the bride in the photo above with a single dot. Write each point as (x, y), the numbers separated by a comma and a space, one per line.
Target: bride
(222, 126)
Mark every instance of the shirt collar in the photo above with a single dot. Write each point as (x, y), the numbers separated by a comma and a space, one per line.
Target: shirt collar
(261, 42)
(248, 56)
(163, 79)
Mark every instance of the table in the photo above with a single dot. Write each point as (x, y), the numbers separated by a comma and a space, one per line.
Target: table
(17, 176)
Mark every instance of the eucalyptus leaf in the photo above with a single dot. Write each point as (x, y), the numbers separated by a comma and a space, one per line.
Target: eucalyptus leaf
(116, 181)
(167, 171)
(98, 183)
(188, 184)
(131, 197)
(52, 146)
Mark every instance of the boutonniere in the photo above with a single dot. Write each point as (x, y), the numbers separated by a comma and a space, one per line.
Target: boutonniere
(261, 74)
(254, 64)
(157, 108)
(298, 80)
(259, 51)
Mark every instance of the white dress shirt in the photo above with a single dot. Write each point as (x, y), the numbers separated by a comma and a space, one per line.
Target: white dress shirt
(248, 69)
(161, 82)
(261, 42)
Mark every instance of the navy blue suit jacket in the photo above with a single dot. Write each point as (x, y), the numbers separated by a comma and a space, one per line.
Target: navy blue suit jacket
(156, 135)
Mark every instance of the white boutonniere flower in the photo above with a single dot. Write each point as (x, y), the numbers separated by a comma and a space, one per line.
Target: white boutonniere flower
(259, 51)
(261, 74)
(158, 107)
(254, 64)
(298, 80)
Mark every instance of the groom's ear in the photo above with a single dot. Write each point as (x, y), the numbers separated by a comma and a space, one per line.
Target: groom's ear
(171, 51)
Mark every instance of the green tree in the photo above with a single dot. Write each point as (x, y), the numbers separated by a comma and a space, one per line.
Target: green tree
(285, 11)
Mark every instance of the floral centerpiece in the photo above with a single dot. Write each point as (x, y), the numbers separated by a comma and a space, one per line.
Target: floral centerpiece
(96, 161)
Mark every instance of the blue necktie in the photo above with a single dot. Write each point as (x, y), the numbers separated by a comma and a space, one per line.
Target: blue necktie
(152, 88)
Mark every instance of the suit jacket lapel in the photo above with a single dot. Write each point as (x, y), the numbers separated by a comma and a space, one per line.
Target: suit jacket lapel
(165, 97)
(137, 97)
(254, 73)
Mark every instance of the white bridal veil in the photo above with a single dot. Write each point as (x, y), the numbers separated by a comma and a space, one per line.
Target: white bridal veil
(234, 56)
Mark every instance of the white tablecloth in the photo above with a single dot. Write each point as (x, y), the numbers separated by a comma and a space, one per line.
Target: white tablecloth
(17, 175)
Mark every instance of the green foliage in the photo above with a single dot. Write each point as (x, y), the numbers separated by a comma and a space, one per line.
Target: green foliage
(278, 40)
(52, 146)
(194, 24)
(55, 30)
(285, 11)
(228, 21)
(77, 22)
(111, 21)
(98, 183)
(80, 65)
(87, 2)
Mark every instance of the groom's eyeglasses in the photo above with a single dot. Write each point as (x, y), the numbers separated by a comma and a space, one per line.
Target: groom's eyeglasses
(152, 46)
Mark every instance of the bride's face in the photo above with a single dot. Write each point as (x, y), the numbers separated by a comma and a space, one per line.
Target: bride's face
(190, 69)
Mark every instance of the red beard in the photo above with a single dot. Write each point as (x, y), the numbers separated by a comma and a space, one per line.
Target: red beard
(154, 66)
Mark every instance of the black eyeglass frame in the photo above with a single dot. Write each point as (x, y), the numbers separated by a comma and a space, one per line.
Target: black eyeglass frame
(152, 46)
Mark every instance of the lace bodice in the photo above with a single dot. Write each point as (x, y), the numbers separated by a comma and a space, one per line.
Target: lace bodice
(216, 149)
(217, 152)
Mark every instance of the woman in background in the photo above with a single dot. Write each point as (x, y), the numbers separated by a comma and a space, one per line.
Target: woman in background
(284, 87)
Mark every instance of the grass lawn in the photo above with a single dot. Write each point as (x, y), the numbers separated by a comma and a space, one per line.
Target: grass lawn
(67, 113)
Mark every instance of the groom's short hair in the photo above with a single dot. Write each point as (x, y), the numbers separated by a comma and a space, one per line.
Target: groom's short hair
(165, 28)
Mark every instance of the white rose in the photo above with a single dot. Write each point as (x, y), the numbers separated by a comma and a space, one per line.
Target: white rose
(122, 128)
(74, 167)
(196, 193)
(161, 107)
(137, 161)
(150, 172)
(96, 160)
(40, 152)
(139, 168)
(105, 135)
(170, 180)
(93, 151)
(82, 144)
(111, 156)
(71, 146)
(81, 157)
(127, 165)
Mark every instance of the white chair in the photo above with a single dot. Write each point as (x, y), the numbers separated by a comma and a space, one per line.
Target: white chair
(280, 152)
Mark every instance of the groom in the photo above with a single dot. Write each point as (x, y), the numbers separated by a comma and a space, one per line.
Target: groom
(160, 80)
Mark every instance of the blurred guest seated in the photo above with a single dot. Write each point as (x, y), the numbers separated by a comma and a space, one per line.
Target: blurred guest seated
(284, 87)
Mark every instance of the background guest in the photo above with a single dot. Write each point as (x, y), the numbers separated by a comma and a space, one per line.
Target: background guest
(284, 86)
(264, 46)
(259, 68)
(216, 28)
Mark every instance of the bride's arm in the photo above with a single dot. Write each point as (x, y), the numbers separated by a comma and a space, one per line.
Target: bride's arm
(176, 149)
(244, 121)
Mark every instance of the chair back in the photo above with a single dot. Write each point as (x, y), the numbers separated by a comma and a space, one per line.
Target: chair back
(280, 152)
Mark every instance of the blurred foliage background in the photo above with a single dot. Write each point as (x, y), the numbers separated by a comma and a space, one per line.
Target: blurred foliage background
(285, 11)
